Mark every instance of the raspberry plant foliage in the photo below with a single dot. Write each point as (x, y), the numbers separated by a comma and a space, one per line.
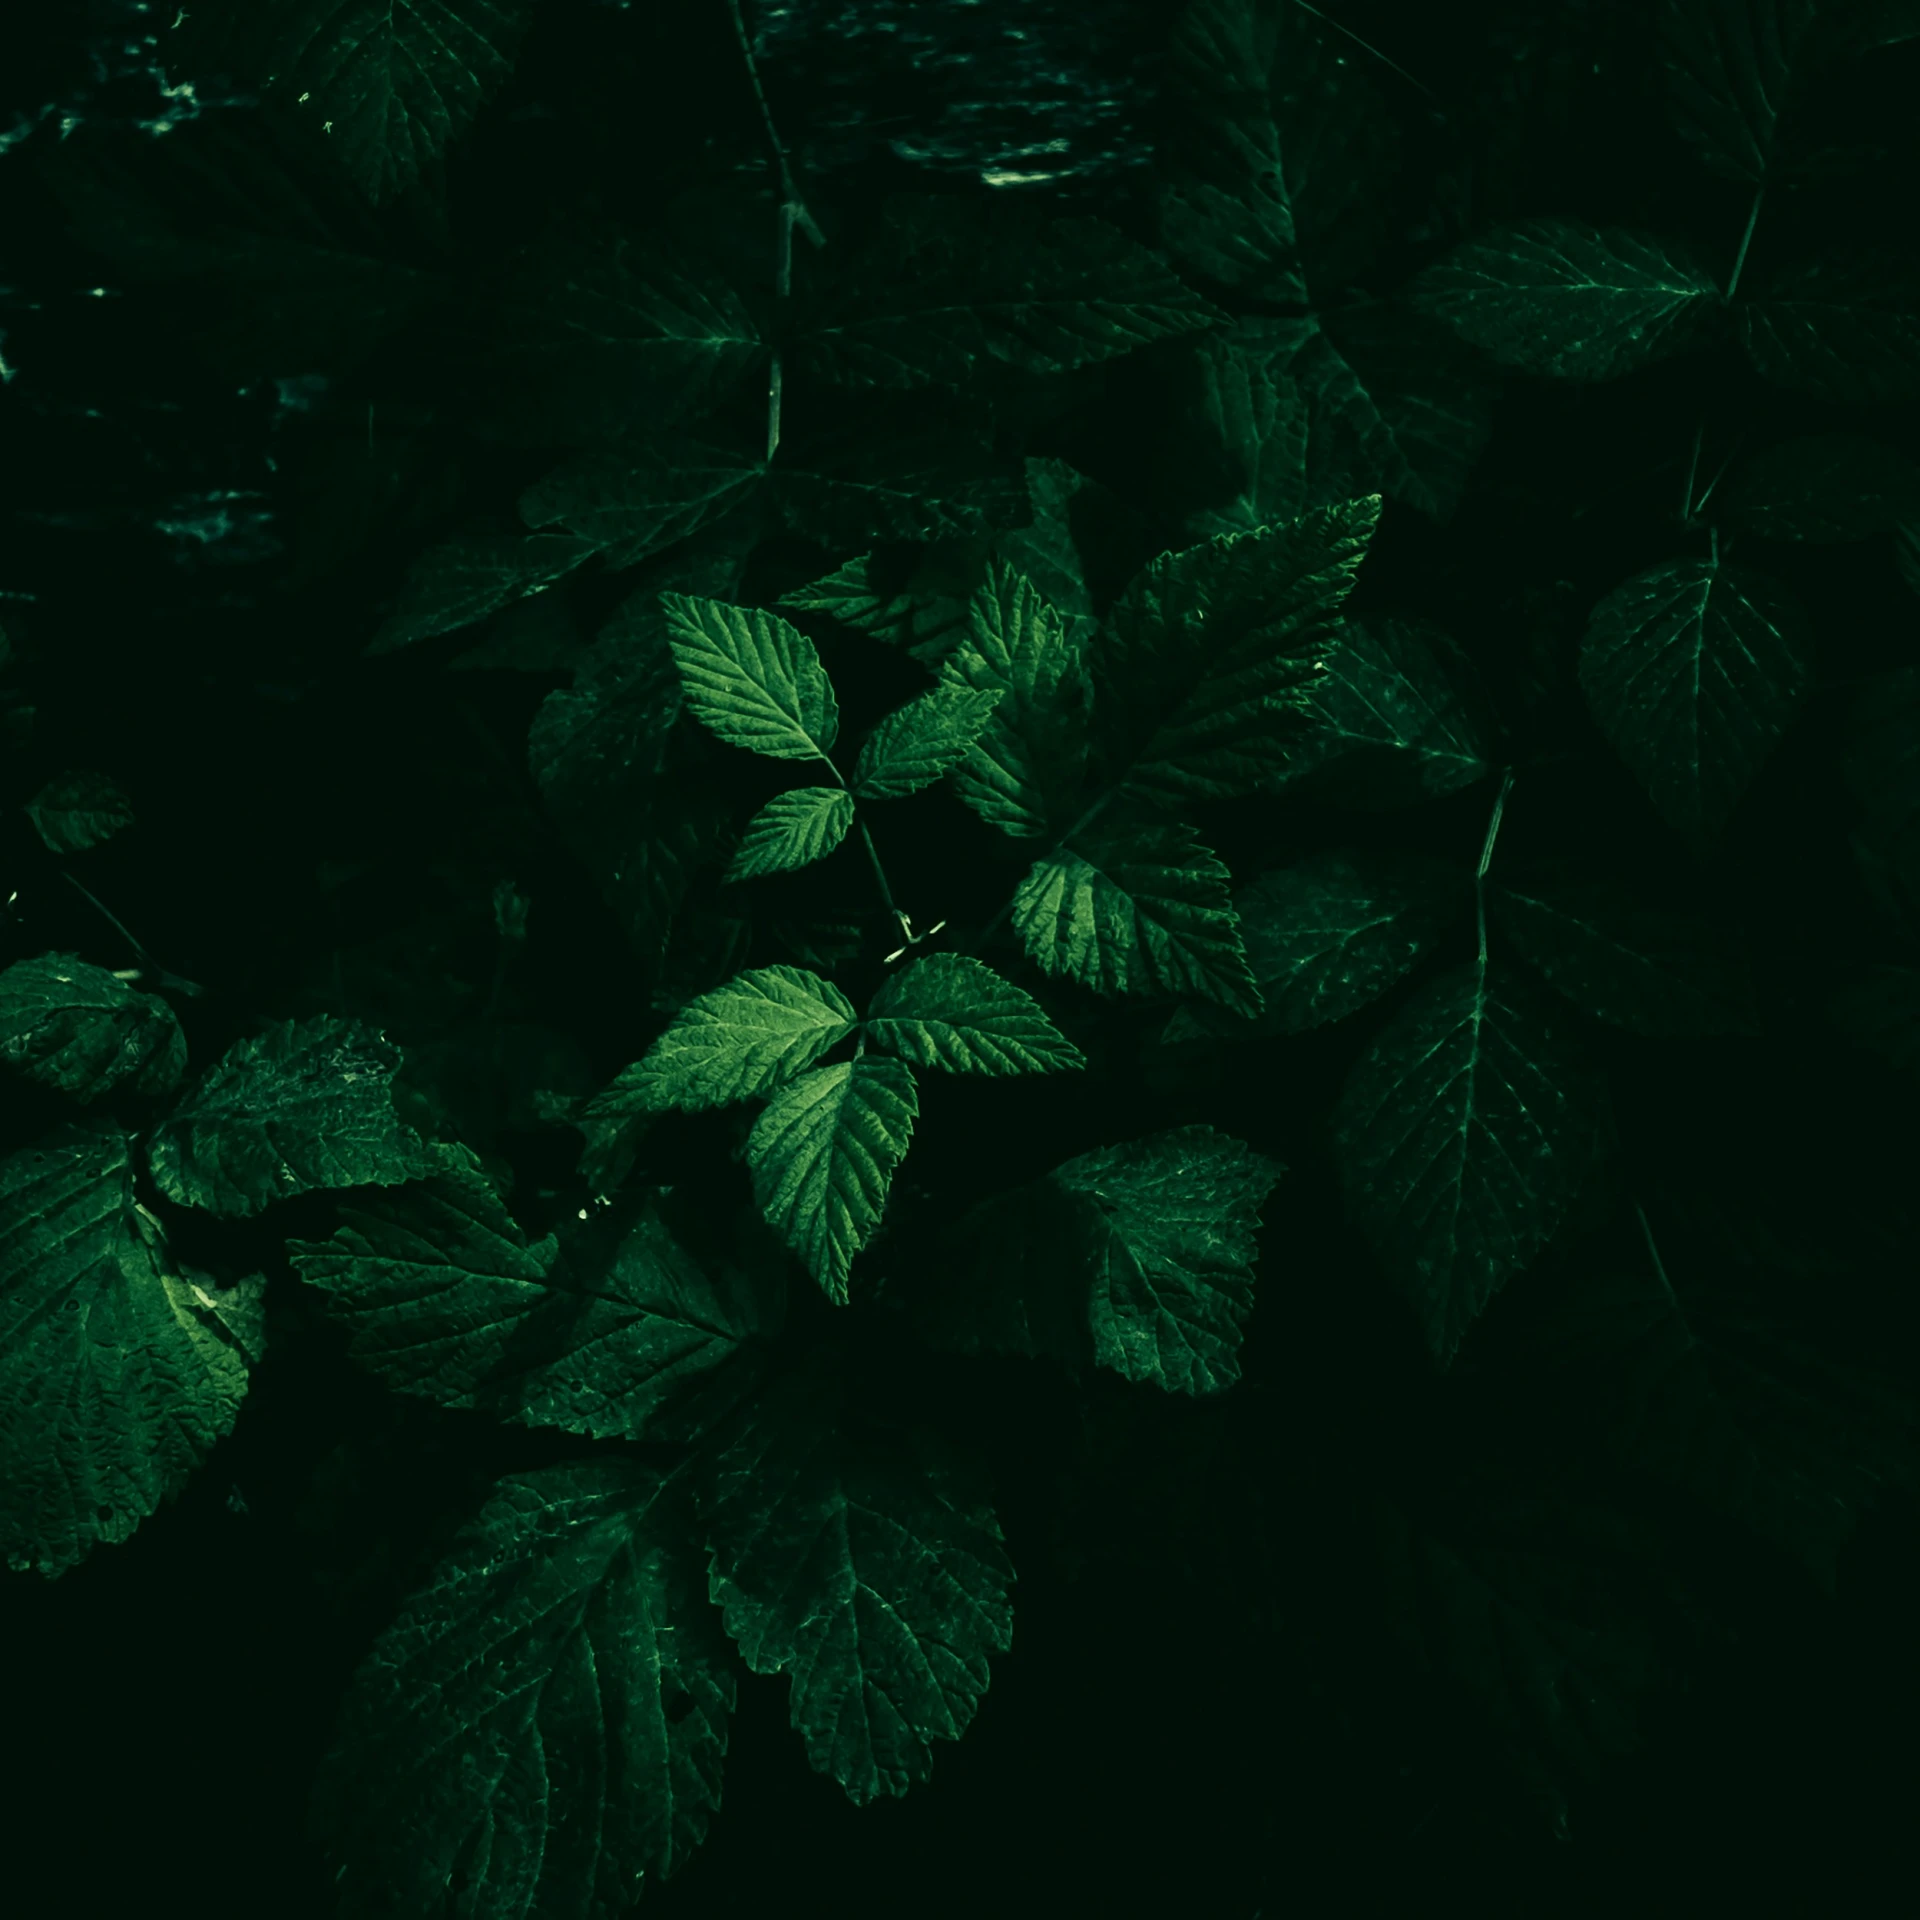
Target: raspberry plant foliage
(1189, 911)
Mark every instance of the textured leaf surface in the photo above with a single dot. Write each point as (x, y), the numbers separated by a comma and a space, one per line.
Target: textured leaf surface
(445, 1298)
(845, 487)
(1572, 301)
(743, 1039)
(791, 830)
(1252, 402)
(1665, 974)
(118, 1369)
(951, 281)
(1172, 1272)
(1023, 771)
(1462, 1135)
(545, 1723)
(917, 602)
(823, 1154)
(870, 1569)
(1821, 487)
(1330, 934)
(1845, 330)
(752, 677)
(306, 1105)
(1135, 904)
(1207, 659)
(1729, 71)
(76, 1028)
(1693, 670)
(470, 576)
(953, 1011)
(75, 811)
(918, 743)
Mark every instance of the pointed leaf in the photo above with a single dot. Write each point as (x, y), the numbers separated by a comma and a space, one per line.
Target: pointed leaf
(823, 1154)
(918, 743)
(466, 578)
(75, 811)
(1208, 659)
(1657, 973)
(1846, 329)
(791, 830)
(1252, 402)
(872, 1570)
(741, 1040)
(1134, 904)
(543, 1727)
(1730, 66)
(752, 677)
(445, 1298)
(118, 1368)
(1075, 521)
(1462, 1135)
(78, 1029)
(914, 599)
(845, 486)
(1575, 302)
(953, 1011)
(1693, 670)
(1022, 773)
(308, 1104)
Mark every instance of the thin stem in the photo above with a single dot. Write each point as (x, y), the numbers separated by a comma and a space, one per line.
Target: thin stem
(879, 872)
(788, 191)
(1653, 1252)
(1375, 51)
(1486, 860)
(166, 979)
(1746, 240)
(1693, 467)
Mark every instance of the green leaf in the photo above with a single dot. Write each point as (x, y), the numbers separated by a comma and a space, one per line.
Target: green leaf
(844, 486)
(1665, 974)
(1693, 670)
(751, 677)
(743, 1039)
(1070, 515)
(870, 1568)
(918, 743)
(1880, 1013)
(1845, 330)
(632, 499)
(1461, 1136)
(543, 1726)
(823, 1154)
(1022, 772)
(78, 1029)
(1251, 400)
(444, 1298)
(308, 1104)
(389, 82)
(1729, 70)
(1135, 904)
(914, 599)
(953, 1011)
(1906, 553)
(1330, 934)
(1821, 487)
(1208, 659)
(1172, 1269)
(466, 578)
(1575, 302)
(792, 830)
(952, 281)
(119, 1368)
(75, 811)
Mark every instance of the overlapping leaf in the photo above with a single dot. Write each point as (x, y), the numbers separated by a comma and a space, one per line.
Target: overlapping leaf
(846, 487)
(79, 1029)
(78, 810)
(792, 830)
(752, 677)
(119, 1368)
(543, 1726)
(917, 744)
(1844, 329)
(1730, 66)
(1693, 670)
(871, 1569)
(951, 1010)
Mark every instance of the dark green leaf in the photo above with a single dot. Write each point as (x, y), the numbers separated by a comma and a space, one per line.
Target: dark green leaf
(78, 810)
(953, 1011)
(1252, 401)
(916, 600)
(846, 488)
(1822, 487)
(464, 579)
(1846, 329)
(78, 1029)
(1880, 1013)
(1730, 67)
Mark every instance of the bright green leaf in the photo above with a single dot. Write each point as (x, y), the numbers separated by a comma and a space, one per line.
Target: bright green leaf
(823, 1154)
(75, 811)
(119, 1368)
(918, 743)
(752, 677)
(78, 1029)
(792, 830)
(953, 1011)
(1693, 670)
(308, 1104)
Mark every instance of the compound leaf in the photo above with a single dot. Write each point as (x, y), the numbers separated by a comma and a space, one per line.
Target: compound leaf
(308, 1104)
(953, 1011)
(75, 811)
(741, 1040)
(80, 1030)
(918, 743)
(823, 1154)
(791, 830)
(544, 1724)
(751, 677)
(871, 1569)
(1693, 670)
(1575, 302)
(1462, 1134)
(119, 1369)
